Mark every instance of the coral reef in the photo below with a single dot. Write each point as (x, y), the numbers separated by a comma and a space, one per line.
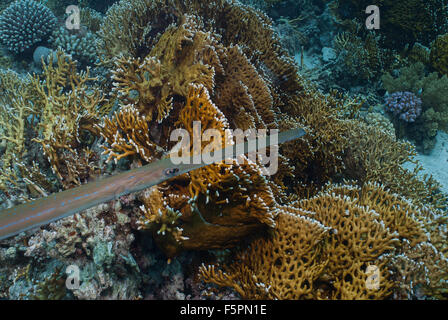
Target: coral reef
(91, 19)
(341, 218)
(24, 24)
(430, 89)
(81, 46)
(402, 22)
(363, 58)
(439, 54)
(64, 116)
(323, 247)
(405, 105)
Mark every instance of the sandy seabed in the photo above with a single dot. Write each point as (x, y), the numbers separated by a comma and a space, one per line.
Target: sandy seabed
(436, 163)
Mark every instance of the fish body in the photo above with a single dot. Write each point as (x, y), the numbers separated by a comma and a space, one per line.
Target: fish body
(60, 205)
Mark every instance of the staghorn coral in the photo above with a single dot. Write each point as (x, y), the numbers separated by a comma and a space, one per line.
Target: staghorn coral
(24, 24)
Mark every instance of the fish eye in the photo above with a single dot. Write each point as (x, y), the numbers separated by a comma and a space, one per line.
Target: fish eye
(171, 171)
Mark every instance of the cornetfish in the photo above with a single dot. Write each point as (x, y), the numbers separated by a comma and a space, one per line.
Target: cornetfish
(60, 205)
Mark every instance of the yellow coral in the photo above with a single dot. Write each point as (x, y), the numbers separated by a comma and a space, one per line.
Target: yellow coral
(229, 200)
(375, 156)
(342, 244)
(15, 107)
(68, 106)
(282, 267)
(157, 213)
(128, 134)
(175, 62)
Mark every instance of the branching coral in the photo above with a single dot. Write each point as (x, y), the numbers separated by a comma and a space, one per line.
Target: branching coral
(14, 111)
(129, 28)
(283, 267)
(128, 134)
(177, 63)
(228, 200)
(402, 22)
(375, 156)
(67, 107)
